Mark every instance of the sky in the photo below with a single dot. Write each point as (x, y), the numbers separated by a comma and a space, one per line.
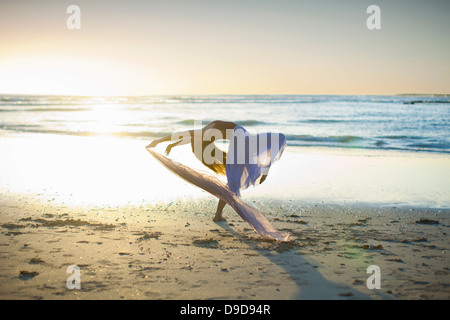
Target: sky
(190, 47)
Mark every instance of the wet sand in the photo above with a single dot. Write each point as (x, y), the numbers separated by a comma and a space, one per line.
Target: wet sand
(176, 251)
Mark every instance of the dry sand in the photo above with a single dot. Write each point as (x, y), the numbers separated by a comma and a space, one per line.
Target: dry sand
(175, 251)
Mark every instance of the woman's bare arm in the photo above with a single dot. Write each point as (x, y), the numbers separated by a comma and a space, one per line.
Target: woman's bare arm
(178, 143)
(171, 137)
(217, 124)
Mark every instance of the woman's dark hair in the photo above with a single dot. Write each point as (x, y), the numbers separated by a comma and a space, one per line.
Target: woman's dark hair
(218, 165)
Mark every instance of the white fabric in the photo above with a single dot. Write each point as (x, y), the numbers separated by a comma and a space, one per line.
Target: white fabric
(250, 157)
(216, 187)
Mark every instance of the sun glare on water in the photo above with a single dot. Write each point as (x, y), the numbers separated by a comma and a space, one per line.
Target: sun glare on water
(93, 170)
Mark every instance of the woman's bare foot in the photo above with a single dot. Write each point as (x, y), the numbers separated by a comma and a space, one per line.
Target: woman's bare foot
(219, 209)
(219, 217)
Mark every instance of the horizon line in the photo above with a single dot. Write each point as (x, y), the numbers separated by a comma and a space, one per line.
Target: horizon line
(225, 94)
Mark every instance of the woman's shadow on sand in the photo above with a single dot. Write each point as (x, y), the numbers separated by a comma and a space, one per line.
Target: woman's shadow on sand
(305, 272)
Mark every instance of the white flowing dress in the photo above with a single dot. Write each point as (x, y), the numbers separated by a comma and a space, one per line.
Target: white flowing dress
(250, 157)
(243, 168)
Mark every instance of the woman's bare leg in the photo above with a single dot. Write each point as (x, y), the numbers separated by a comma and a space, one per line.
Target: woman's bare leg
(219, 210)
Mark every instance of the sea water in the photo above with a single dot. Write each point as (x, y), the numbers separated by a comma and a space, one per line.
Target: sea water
(408, 122)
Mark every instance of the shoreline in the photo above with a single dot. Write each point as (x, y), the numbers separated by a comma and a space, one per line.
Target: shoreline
(106, 170)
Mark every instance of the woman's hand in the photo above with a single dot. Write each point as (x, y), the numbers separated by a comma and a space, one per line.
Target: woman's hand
(153, 144)
(169, 148)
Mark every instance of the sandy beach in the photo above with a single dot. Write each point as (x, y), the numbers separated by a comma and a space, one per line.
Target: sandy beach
(156, 246)
(176, 251)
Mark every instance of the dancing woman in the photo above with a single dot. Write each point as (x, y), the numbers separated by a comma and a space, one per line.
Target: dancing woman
(218, 165)
(246, 163)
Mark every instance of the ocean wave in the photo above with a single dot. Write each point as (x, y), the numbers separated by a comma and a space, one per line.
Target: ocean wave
(325, 139)
(322, 121)
(251, 123)
(430, 146)
(426, 101)
(58, 109)
(346, 141)
(191, 122)
(400, 137)
(121, 134)
(247, 123)
(44, 109)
